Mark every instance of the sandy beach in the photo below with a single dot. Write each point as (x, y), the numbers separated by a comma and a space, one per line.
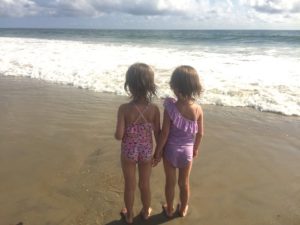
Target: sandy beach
(60, 165)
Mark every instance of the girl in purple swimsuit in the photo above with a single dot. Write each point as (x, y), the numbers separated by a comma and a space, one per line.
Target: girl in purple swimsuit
(180, 138)
(135, 123)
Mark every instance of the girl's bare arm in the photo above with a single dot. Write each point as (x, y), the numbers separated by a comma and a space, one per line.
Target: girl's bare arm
(162, 137)
(200, 133)
(156, 123)
(120, 123)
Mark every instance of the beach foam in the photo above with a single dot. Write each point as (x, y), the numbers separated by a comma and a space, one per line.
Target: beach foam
(266, 79)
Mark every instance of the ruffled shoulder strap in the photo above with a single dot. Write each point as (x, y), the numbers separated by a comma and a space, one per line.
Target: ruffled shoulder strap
(177, 119)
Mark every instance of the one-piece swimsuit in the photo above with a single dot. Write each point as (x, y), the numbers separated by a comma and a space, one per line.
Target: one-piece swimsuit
(179, 147)
(137, 142)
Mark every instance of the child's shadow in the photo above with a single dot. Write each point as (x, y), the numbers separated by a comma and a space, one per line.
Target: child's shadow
(153, 220)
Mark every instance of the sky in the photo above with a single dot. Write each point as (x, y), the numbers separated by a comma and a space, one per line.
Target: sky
(151, 14)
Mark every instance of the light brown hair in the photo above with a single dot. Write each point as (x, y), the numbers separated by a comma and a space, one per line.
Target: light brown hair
(140, 81)
(185, 80)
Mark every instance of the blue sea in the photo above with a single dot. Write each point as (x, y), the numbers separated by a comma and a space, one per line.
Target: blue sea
(239, 68)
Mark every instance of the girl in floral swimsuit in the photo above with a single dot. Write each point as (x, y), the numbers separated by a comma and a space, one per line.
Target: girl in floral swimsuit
(180, 137)
(135, 123)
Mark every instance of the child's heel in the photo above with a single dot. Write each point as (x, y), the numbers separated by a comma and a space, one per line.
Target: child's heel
(146, 215)
(182, 212)
(125, 217)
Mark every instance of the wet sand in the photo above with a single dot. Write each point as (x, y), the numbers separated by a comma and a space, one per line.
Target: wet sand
(59, 163)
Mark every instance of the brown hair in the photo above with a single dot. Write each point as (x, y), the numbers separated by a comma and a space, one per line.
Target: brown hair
(185, 81)
(140, 81)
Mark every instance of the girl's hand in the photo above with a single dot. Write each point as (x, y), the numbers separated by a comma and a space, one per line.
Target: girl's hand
(195, 153)
(156, 159)
(154, 162)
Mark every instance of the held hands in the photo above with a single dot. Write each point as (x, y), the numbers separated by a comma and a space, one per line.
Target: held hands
(156, 159)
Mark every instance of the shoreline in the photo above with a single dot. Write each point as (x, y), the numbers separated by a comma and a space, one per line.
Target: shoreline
(60, 164)
(157, 99)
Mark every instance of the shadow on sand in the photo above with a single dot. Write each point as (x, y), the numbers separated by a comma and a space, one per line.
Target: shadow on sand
(153, 220)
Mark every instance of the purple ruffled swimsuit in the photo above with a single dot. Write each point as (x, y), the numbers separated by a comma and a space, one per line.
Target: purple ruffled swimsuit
(179, 147)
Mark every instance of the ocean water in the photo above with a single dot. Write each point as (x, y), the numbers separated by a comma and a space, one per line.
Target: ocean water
(259, 69)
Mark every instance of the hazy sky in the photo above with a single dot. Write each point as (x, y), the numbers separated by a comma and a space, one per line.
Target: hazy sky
(151, 14)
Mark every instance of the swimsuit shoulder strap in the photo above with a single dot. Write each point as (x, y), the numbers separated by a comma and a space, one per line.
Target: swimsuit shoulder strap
(141, 113)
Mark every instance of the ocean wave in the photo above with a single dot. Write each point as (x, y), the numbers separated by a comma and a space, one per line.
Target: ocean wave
(267, 80)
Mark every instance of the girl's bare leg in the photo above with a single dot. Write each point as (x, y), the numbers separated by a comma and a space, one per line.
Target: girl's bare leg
(170, 173)
(144, 185)
(184, 188)
(128, 167)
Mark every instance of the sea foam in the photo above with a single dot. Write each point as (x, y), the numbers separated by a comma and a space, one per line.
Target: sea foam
(267, 79)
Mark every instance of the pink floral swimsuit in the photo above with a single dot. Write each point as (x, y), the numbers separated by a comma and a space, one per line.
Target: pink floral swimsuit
(137, 141)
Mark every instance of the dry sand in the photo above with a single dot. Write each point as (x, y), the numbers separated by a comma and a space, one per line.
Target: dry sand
(59, 163)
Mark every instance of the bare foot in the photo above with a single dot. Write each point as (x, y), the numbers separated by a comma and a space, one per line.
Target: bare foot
(128, 219)
(168, 213)
(182, 211)
(146, 214)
